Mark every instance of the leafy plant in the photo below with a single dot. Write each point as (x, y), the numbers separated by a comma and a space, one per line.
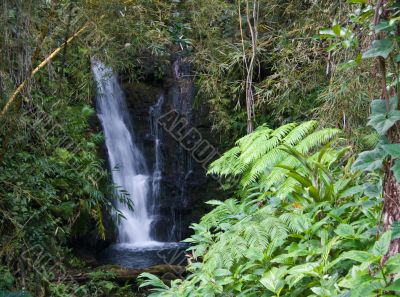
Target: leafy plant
(262, 155)
(382, 121)
(318, 239)
(101, 284)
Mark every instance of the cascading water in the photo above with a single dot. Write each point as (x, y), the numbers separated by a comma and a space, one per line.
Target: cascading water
(126, 160)
(136, 247)
(155, 113)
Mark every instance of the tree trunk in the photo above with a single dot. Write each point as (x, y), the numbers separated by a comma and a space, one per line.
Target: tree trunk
(391, 207)
(391, 188)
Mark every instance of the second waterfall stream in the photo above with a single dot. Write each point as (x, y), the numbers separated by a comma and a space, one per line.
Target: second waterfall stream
(129, 172)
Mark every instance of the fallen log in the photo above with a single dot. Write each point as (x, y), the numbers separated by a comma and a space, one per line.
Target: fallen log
(116, 273)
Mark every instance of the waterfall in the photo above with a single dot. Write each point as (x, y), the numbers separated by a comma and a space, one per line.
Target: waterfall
(126, 161)
(155, 113)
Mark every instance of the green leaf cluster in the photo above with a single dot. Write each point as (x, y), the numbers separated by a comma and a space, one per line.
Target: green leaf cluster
(318, 239)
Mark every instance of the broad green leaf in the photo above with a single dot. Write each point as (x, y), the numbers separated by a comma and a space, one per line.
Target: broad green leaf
(152, 280)
(346, 43)
(222, 272)
(356, 275)
(395, 230)
(293, 279)
(273, 280)
(367, 289)
(395, 286)
(378, 106)
(348, 65)
(327, 33)
(369, 160)
(351, 191)
(383, 122)
(379, 48)
(304, 268)
(287, 257)
(358, 256)
(317, 290)
(396, 170)
(384, 26)
(336, 29)
(392, 149)
(381, 247)
(337, 212)
(392, 265)
(345, 230)
(373, 190)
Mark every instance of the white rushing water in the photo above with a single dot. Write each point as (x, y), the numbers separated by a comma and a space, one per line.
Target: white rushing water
(126, 160)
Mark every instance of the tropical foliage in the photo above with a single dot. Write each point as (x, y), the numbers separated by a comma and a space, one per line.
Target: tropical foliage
(315, 231)
(318, 239)
(304, 215)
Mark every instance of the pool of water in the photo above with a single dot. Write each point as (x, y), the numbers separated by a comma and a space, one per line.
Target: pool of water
(145, 255)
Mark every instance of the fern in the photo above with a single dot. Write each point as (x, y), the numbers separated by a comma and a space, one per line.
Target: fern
(225, 209)
(316, 139)
(296, 222)
(287, 246)
(255, 156)
(226, 164)
(299, 132)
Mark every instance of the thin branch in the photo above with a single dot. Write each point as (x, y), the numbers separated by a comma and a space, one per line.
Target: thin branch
(249, 79)
(381, 64)
(241, 36)
(22, 86)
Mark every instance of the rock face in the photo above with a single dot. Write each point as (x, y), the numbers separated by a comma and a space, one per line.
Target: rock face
(177, 143)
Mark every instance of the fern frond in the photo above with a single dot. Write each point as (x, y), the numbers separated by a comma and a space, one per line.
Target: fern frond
(264, 143)
(255, 236)
(249, 138)
(300, 132)
(296, 222)
(267, 161)
(225, 165)
(275, 228)
(279, 175)
(371, 140)
(221, 213)
(316, 139)
(275, 177)
(256, 155)
(287, 187)
(284, 130)
(261, 145)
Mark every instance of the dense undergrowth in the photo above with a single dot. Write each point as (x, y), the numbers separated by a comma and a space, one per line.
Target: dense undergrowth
(307, 225)
(304, 218)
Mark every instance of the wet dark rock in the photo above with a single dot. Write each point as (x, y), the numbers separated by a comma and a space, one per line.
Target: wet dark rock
(184, 186)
